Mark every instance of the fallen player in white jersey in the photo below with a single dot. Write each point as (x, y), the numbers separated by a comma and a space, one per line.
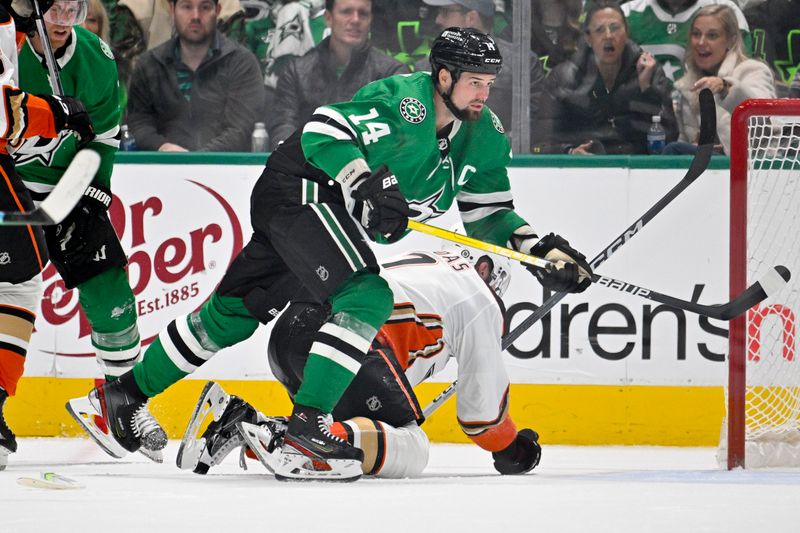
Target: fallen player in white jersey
(446, 304)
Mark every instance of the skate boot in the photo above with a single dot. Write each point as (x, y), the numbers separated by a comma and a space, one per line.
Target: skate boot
(8, 441)
(221, 437)
(124, 413)
(310, 451)
(265, 439)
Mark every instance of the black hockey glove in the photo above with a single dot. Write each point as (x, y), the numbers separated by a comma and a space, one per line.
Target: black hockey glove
(83, 231)
(70, 114)
(521, 456)
(22, 13)
(378, 205)
(571, 272)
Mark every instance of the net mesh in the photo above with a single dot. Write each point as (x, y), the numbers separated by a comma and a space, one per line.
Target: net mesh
(772, 398)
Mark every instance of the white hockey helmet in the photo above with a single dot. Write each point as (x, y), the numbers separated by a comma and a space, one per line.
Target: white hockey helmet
(494, 269)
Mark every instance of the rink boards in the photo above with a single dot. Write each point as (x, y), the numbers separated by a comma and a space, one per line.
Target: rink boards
(604, 368)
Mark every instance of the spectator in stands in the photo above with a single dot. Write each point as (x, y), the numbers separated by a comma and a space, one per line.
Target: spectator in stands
(141, 25)
(555, 30)
(715, 60)
(97, 20)
(602, 100)
(479, 14)
(661, 27)
(775, 26)
(199, 91)
(332, 71)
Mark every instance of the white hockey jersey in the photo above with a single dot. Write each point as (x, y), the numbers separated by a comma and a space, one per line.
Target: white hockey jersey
(443, 309)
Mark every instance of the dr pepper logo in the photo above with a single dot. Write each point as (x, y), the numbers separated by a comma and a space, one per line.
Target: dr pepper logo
(179, 242)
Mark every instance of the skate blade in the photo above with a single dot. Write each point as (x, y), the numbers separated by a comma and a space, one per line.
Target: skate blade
(50, 480)
(3, 457)
(84, 412)
(157, 456)
(295, 466)
(213, 401)
(258, 439)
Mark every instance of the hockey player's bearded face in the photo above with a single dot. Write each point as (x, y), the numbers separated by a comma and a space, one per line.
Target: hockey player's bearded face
(195, 20)
(470, 94)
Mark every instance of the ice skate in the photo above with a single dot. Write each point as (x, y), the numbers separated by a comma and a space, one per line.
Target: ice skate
(123, 419)
(8, 441)
(311, 452)
(265, 439)
(221, 437)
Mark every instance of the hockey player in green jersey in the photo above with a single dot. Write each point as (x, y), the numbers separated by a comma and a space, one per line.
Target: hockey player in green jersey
(84, 248)
(324, 192)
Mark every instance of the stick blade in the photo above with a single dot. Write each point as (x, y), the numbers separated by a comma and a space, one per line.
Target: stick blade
(769, 285)
(63, 198)
(708, 118)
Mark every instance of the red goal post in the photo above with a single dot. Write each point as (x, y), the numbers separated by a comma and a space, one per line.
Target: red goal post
(762, 426)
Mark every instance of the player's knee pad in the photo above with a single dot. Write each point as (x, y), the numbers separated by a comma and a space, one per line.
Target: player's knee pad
(17, 304)
(366, 297)
(291, 339)
(223, 321)
(389, 452)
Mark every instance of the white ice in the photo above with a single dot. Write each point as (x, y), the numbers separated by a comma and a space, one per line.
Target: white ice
(574, 489)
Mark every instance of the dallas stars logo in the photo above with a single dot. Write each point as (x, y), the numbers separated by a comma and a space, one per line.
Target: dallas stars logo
(412, 110)
(38, 149)
(427, 207)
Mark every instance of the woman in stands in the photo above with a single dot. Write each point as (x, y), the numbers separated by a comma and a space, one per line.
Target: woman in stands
(715, 59)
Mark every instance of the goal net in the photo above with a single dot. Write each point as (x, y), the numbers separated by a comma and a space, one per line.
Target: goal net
(762, 424)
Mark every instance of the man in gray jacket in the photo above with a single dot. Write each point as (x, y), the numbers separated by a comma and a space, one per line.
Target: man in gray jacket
(332, 71)
(199, 91)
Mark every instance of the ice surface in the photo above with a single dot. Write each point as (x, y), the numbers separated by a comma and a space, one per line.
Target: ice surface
(574, 489)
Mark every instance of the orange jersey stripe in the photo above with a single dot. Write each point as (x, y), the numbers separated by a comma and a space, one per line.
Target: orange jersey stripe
(410, 335)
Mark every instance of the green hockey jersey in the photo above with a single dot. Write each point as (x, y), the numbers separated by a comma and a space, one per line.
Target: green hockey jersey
(665, 35)
(392, 122)
(88, 72)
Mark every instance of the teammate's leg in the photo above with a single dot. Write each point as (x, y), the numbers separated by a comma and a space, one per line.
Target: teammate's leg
(325, 249)
(256, 275)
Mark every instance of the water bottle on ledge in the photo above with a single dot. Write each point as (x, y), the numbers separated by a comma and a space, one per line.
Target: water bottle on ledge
(126, 141)
(656, 137)
(260, 138)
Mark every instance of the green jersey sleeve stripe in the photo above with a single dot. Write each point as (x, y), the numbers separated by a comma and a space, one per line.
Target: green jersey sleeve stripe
(337, 117)
(326, 129)
(485, 198)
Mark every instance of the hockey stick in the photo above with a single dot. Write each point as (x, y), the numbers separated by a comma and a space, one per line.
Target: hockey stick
(50, 60)
(725, 311)
(708, 128)
(64, 195)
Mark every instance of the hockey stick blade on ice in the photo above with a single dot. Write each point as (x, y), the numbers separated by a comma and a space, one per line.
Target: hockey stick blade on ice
(708, 131)
(62, 198)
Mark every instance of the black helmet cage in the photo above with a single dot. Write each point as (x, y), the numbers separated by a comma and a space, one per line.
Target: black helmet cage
(464, 50)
